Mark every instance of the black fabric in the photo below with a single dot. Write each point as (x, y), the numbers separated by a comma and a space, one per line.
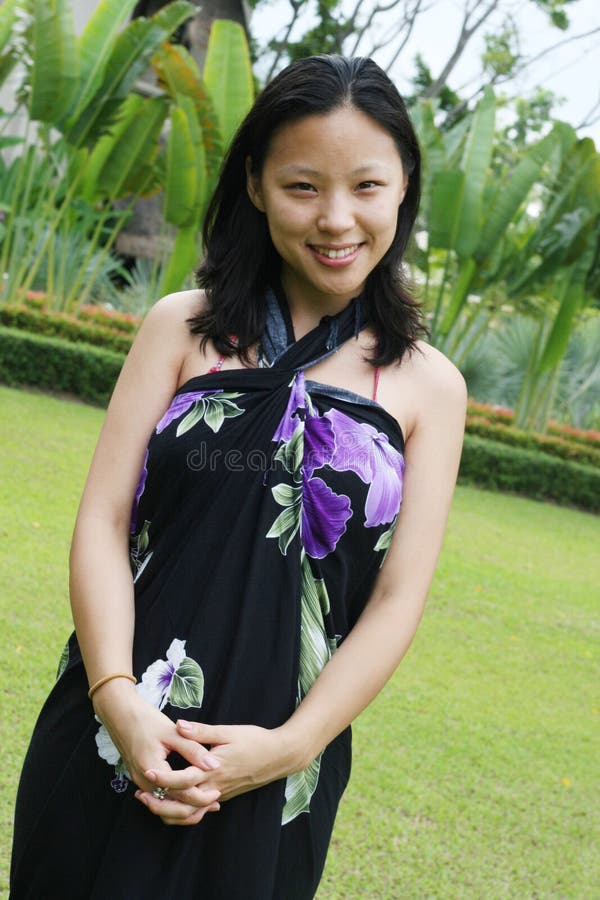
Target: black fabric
(207, 574)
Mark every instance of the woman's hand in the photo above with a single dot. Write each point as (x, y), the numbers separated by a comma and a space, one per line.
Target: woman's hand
(145, 737)
(248, 756)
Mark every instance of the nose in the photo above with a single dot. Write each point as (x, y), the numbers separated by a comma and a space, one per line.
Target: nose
(336, 214)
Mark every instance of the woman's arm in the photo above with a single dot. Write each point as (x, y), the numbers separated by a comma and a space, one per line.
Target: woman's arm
(101, 583)
(368, 656)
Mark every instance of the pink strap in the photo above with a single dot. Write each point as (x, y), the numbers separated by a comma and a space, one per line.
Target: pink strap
(221, 359)
(376, 381)
(217, 365)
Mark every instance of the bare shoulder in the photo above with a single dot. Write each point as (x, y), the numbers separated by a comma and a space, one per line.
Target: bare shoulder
(435, 374)
(428, 386)
(173, 310)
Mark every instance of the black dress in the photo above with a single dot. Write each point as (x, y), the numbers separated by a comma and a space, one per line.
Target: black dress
(263, 512)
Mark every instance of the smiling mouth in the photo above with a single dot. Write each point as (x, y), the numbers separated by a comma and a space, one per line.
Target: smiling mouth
(331, 253)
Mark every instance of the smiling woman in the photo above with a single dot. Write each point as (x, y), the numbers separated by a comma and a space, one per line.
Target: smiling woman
(262, 606)
(332, 216)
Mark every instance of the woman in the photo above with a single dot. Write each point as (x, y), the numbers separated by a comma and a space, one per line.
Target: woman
(276, 583)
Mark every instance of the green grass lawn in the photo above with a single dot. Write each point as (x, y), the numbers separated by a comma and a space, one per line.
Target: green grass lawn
(476, 771)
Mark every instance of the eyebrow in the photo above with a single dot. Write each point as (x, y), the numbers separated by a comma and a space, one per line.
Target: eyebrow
(294, 169)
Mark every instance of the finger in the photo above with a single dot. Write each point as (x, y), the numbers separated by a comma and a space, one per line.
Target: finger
(193, 751)
(171, 808)
(196, 796)
(176, 779)
(193, 819)
(160, 771)
(205, 734)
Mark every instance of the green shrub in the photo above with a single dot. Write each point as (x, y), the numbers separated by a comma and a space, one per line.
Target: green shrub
(500, 415)
(516, 437)
(498, 466)
(54, 324)
(588, 438)
(57, 365)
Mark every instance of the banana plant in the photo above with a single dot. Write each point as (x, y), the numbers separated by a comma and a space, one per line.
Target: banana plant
(110, 145)
(8, 56)
(486, 244)
(207, 112)
(228, 75)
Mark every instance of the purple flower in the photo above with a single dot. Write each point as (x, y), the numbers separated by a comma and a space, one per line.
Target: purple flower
(296, 400)
(362, 449)
(138, 493)
(324, 517)
(319, 444)
(385, 493)
(180, 404)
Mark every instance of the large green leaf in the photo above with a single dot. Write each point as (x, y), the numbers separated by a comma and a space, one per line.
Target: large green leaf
(132, 145)
(179, 75)
(432, 148)
(55, 60)
(571, 301)
(183, 259)
(129, 57)
(459, 294)
(7, 63)
(446, 191)
(186, 176)
(95, 45)
(515, 192)
(7, 21)
(228, 75)
(477, 156)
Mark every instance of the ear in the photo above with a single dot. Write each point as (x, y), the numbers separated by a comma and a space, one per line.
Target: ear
(253, 187)
(404, 189)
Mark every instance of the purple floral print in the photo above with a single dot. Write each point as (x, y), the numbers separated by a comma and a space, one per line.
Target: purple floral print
(362, 449)
(324, 517)
(180, 405)
(296, 401)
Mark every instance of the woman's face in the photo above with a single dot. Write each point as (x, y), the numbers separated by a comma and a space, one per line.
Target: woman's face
(330, 187)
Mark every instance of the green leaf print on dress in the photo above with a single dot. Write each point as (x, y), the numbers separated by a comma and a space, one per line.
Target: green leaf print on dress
(316, 649)
(385, 540)
(139, 557)
(177, 680)
(212, 406)
(63, 661)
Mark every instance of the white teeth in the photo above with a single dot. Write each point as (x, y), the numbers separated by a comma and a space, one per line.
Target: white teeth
(337, 254)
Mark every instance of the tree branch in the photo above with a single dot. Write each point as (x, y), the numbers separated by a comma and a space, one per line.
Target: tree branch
(296, 7)
(466, 33)
(410, 24)
(360, 32)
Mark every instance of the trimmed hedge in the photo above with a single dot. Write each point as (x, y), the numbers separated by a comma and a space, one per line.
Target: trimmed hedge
(113, 319)
(70, 328)
(556, 446)
(497, 466)
(500, 415)
(57, 365)
(588, 438)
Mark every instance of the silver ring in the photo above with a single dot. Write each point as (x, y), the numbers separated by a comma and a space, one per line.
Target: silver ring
(160, 793)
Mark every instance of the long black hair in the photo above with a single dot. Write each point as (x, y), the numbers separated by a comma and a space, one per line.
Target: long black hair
(240, 261)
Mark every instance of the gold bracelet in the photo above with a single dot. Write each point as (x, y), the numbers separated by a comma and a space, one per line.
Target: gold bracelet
(106, 678)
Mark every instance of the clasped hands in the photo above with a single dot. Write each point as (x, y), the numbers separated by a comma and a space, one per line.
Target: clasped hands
(241, 758)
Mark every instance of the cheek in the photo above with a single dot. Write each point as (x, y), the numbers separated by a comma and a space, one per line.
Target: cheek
(285, 221)
(383, 219)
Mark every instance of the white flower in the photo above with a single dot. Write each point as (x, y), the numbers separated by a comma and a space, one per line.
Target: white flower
(106, 747)
(156, 680)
